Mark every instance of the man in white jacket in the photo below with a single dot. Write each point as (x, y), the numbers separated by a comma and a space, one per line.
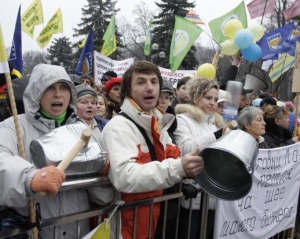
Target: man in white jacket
(133, 170)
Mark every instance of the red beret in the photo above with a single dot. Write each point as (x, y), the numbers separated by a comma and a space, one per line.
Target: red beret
(111, 82)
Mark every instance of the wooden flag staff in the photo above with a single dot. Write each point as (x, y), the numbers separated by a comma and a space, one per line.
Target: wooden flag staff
(31, 202)
(296, 89)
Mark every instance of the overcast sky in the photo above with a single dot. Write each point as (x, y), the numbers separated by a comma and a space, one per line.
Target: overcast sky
(71, 11)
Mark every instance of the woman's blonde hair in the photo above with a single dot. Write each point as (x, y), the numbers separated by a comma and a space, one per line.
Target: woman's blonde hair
(198, 87)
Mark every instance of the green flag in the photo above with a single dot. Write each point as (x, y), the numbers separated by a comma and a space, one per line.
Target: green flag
(147, 47)
(109, 38)
(185, 34)
(217, 25)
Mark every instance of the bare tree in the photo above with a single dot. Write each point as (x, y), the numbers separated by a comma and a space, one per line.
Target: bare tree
(133, 35)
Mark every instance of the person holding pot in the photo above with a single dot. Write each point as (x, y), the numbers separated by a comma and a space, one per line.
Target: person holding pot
(198, 125)
(50, 102)
(251, 120)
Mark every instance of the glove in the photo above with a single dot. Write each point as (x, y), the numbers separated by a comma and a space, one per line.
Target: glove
(189, 191)
(48, 179)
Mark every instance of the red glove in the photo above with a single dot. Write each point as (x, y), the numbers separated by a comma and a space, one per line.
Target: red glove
(48, 179)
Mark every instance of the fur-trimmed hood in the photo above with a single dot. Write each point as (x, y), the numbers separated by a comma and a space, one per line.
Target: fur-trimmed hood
(197, 114)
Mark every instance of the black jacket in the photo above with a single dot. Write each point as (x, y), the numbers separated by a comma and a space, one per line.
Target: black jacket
(276, 136)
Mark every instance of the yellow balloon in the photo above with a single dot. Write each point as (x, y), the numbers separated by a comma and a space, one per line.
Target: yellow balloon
(257, 30)
(229, 48)
(207, 71)
(231, 27)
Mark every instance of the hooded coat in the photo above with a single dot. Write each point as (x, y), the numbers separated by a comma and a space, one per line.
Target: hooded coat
(195, 129)
(19, 172)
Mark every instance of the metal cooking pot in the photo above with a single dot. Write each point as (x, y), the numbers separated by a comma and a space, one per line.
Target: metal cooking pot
(229, 165)
(52, 147)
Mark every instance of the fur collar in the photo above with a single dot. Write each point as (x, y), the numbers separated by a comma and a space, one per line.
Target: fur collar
(197, 114)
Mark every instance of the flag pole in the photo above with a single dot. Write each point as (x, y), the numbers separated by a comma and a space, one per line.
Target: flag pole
(31, 201)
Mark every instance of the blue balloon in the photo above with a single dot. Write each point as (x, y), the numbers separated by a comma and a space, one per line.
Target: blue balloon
(252, 53)
(243, 38)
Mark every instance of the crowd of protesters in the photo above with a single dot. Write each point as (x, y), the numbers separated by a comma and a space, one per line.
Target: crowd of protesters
(152, 133)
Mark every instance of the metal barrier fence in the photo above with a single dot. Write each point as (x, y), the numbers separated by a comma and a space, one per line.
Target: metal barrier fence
(99, 211)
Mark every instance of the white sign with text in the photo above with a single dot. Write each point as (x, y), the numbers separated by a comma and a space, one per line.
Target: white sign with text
(103, 63)
(167, 74)
(271, 205)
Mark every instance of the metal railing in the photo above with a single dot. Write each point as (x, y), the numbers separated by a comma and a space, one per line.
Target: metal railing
(99, 211)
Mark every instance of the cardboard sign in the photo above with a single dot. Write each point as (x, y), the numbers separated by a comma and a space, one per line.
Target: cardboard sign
(296, 74)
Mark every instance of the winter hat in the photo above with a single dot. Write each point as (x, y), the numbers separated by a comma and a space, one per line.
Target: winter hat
(223, 96)
(280, 103)
(290, 105)
(268, 101)
(256, 102)
(167, 87)
(109, 84)
(265, 95)
(83, 90)
(108, 75)
(88, 77)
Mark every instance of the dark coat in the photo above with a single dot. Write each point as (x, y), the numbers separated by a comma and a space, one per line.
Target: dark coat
(276, 136)
(101, 122)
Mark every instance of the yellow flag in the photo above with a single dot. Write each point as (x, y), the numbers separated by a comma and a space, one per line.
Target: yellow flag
(32, 17)
(103, 231)
(4, 68)
(284, 63)
(55, 25)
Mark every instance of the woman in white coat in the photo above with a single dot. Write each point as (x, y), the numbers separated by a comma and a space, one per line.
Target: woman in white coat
(198, 126)
(50, 102)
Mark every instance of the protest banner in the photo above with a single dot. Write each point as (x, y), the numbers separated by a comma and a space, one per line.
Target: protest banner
(271, 205)
(167, 74)
(103, 63)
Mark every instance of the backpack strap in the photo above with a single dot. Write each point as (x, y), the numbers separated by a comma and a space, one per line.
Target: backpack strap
(143, 132)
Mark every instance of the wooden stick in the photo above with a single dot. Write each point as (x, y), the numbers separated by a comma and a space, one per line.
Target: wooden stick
(231, 125)
(31, 201)
(296, 114)
(81, 143)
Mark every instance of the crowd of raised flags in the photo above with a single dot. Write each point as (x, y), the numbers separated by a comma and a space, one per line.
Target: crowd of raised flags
(186, 30)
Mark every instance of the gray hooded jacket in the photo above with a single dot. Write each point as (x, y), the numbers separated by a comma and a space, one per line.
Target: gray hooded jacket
(16, 173)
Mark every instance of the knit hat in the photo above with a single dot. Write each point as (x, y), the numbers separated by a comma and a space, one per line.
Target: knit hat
(88, 77)
(83, 90)
(109, 84)
(256, 102)
(265, 95)
(268, 101)
(290, 105)
(108, 75)
(167, 87)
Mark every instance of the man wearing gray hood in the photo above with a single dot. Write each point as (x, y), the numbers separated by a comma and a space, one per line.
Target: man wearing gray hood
(50, 101)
